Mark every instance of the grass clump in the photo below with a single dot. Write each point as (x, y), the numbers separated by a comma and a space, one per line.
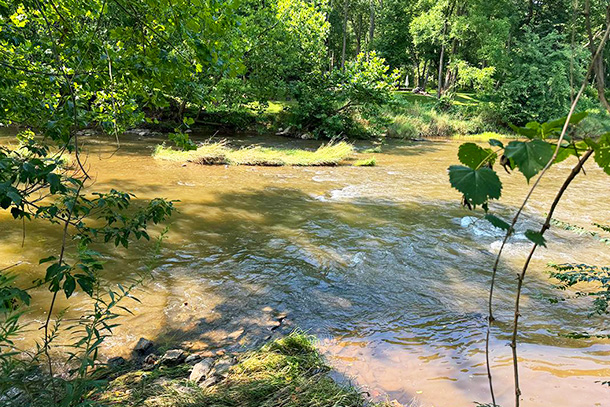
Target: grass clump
(214, 153)
(367, 162)
(288, 372)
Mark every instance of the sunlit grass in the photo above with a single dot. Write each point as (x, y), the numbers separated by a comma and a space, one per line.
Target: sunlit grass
(367, 162)
(485, 136)
(288, 372)
(214, 153)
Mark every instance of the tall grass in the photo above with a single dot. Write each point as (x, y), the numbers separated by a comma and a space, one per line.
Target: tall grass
(423, 120)
(215, 153)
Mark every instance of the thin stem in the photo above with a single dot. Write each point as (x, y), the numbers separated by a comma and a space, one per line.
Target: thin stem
(510, 230)
(547, 224)
(59, 261)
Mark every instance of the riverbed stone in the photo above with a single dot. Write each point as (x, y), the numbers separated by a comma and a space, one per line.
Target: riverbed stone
(173, 357)
(116, 362)
(149, 362)
(192, 359)
(210, 381)
(236, 334)
(143, 346)
(201, 370)
(222, 365)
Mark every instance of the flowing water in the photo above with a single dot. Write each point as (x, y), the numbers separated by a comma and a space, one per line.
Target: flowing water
(381, 263)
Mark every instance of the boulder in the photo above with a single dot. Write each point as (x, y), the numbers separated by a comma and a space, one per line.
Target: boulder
(149, 362)
(210, 381)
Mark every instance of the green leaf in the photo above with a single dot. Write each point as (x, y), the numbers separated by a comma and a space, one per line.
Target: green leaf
(478, 186)
(535, 237)
(69, 285)
(602, 153)
(46, 259)
(54, 182)
(530, 157)
(86, 283)
(14, 196)
(524, 131)
(55, 270)
(474, 156)
(557, 125)
(497, 222)
(495, 143)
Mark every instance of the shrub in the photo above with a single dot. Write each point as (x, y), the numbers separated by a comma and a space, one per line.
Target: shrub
(344, 103)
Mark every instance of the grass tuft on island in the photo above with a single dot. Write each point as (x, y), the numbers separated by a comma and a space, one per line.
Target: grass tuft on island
(219, 153)
(288, 372)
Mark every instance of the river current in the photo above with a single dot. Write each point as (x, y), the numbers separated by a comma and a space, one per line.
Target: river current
(381, 263)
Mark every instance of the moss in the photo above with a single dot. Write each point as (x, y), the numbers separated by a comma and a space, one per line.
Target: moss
(288, 372)
(220, 153)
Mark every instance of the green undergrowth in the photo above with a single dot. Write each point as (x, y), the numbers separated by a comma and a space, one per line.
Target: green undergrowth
(418, 116)
(219, 153)
(288, 372)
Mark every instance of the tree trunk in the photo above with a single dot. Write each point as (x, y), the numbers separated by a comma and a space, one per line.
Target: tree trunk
(440, 64)
(440, 71)
(346, 5)
(598, 63)
(371, 26)
(426, 75)
(359, 29)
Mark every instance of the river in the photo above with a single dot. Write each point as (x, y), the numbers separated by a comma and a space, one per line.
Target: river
(381, 263)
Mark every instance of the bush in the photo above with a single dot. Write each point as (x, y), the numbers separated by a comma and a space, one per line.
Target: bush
(345, 103)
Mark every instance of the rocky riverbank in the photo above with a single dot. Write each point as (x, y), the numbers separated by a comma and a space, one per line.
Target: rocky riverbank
(286, 371)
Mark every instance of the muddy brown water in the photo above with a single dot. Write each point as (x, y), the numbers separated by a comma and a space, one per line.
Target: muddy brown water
(381, 263)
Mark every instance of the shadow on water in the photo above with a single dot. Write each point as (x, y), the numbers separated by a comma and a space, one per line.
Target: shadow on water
(388, 277)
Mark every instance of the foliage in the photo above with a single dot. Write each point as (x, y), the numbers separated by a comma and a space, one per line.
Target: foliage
(366, 162)
(284, 42)
(471, 77)
(411, 118)
(595, 277)
(334, 104)
(479, 186)
(537, 80)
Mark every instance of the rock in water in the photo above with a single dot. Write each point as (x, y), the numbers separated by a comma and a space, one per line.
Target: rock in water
(143, 346)
(201, 370)
(173, 357)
